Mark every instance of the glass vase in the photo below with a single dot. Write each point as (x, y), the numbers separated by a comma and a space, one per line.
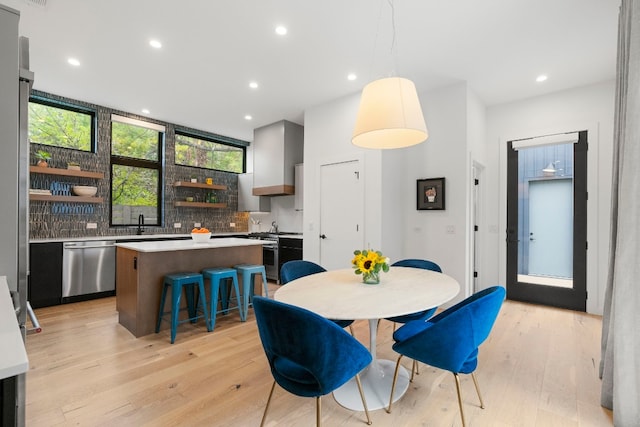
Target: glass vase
(372, 278)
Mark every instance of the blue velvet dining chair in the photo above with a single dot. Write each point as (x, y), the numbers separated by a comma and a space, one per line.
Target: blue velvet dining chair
(450, 340)
(309, 356)
(425, 265)
(420, 315)
(292, 270)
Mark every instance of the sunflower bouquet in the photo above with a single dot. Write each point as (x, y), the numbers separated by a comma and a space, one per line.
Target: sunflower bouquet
(369, 263)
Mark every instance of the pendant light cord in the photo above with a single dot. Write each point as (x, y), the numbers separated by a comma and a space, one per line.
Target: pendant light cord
(393, 50)
(394, 53)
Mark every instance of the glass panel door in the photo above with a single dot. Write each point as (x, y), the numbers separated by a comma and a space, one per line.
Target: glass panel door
(546, 224)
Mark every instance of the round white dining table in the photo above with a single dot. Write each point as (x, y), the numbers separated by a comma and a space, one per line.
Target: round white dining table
(341, 295)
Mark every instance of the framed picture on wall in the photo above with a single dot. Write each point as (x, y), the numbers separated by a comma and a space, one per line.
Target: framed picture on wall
(431, 194)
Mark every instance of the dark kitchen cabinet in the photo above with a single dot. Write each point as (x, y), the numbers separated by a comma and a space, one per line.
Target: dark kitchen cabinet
(289, 249)
(45, 274)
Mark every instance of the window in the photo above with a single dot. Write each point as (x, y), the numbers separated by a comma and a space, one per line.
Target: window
(61, 125)
(209, 152)
(136, 172)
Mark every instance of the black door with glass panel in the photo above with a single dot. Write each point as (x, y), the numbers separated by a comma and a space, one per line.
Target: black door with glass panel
(547, 220)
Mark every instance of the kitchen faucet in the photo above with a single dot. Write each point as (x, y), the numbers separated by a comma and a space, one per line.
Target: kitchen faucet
(140, 224)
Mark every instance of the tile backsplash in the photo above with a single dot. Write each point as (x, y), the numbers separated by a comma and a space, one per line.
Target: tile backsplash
(51, 220)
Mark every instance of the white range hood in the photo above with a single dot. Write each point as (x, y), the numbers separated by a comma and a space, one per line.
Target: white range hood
(277, 148)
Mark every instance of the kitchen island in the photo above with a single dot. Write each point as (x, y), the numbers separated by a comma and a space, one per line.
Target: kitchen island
(141, 267)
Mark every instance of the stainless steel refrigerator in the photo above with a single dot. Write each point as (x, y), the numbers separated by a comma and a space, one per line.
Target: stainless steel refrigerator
(15, 86)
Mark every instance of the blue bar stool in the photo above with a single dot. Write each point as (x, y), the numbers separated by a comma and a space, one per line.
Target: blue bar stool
(177, 282)
(249, 272)
(219, 280)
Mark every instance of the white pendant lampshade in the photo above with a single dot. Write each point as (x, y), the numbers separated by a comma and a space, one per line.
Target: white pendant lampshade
(389, 116)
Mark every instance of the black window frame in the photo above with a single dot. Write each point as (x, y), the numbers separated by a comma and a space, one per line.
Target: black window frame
(76, 108)
(217, 139)
(143, 164)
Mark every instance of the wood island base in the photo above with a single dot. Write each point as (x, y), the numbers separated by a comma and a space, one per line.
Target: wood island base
(140, 274)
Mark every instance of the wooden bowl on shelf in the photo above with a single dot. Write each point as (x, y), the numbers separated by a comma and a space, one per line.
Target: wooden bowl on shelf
(84, 190)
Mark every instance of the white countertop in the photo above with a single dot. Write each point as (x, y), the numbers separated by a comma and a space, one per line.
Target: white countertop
(187, 245)
(146, 236)
(13, 357)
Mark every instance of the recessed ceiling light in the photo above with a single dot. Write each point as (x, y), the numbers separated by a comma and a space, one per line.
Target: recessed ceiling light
(74, 62)
(248, 117)
(541, 78)
(155, 43)
(145, 111)
(352, 76)
(280, 30)
(253, 85)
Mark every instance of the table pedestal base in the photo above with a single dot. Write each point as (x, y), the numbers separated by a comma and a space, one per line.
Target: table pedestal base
(376, 383)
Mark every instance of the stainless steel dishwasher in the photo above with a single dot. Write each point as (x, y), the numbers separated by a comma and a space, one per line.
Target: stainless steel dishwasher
(88, 267)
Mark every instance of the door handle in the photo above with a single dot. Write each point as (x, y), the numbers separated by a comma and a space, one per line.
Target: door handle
(322, 236)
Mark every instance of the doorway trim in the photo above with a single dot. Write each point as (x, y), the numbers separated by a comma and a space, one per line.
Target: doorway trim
(596, 250)
(476, 237)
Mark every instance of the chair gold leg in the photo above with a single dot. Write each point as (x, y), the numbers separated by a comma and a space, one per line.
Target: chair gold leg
(351, 330)
(393, 384)
(266, 408)
(414, 366)
(417, 367)
(475, 382)
(459, 398)
(318, 409)
(364, 401)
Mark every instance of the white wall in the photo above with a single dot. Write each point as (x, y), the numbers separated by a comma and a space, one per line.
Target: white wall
(327, 138)
(392, 223)
(590, 108)
(462, 132)
(444, 154)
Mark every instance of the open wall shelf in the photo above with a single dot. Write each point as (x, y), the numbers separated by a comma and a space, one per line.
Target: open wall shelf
(199, 185)
(66, 172)
(200, 205)
(67, 199)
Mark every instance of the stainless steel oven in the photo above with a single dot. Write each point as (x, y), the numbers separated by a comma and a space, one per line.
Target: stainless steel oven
(269, 254)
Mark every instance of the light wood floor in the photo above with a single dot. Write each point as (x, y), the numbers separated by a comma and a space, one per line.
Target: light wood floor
(539, 367)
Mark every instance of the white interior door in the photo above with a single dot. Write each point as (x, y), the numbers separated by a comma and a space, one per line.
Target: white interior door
(341, 213)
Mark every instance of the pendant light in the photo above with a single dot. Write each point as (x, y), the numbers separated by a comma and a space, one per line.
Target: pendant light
(390, 115)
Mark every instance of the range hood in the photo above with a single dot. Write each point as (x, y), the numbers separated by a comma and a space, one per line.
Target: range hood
(247, 202)
(277, 148)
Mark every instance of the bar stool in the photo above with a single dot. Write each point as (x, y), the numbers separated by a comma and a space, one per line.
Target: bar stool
(177, 282)
(219, 280)
(249, 271)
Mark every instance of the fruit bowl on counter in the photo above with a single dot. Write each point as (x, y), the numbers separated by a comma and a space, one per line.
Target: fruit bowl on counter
(200, 235)
(84, 190)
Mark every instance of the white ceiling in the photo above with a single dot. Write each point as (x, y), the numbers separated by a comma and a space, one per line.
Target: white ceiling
(212, 49)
